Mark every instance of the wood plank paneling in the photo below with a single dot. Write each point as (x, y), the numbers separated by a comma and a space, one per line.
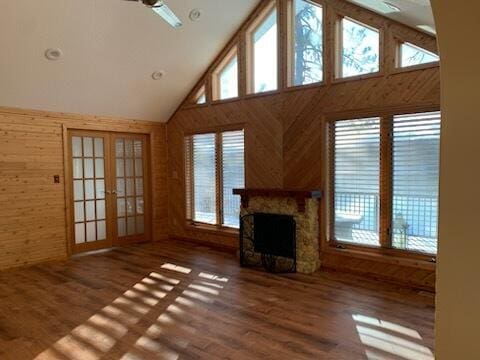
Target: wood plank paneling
(284, 130)
(32, 212)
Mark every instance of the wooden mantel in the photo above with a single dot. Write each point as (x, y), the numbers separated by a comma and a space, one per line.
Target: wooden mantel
(299, 195)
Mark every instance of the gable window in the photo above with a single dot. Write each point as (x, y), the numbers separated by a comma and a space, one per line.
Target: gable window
(384, 181)
(214, 166)
(201, 96)
(359, 49)
(411, 55)
(225, 78)
(307, 47)
(262, 53)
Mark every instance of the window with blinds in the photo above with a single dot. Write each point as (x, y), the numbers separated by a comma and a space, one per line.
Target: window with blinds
(214, 166)
(384, 181)
(356, 180)
(416, 162)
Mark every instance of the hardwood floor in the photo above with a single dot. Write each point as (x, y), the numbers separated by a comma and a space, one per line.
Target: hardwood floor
(178, 300)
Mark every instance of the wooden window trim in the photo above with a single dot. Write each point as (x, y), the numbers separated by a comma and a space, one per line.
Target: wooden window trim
(201, 91)
(398, 57)
(328, 242)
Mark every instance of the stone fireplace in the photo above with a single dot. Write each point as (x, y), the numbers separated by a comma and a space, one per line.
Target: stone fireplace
(302, 206)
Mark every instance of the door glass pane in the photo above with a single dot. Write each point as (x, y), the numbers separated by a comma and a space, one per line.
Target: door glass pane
(130, 187)
(100, 189)
(121, 187)
(78, 190)
(87, 147)
(101, 230)
(98, 147)
(138, 167)
(119, 150)
(88, 185)
(99, 168)
(139, 186)
(129, 182)
(88, 168)
(100, 209)
(91, 231)
(120, 168)
(128, 148)
(77, 169)
(79, 212)
(138, 148)
(131, 226)
(79, 233)
(129, 167)
(77, 146)
(90, 210)
(130, 206)
(121, 207)
(89, 190)
(122, 227)
(139, 205)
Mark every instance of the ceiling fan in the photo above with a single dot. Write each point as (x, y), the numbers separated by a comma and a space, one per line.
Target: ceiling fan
(159, 7)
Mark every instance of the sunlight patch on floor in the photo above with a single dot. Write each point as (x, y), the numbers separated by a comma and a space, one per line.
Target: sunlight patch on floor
(391, 338)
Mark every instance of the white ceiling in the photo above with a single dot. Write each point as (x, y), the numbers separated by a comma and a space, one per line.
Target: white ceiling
(414, 13)
(111, 48)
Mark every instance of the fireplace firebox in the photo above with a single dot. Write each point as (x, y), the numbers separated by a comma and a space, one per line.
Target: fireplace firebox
(268, 240)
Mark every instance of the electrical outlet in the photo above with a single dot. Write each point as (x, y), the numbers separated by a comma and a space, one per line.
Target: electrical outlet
(56, 179)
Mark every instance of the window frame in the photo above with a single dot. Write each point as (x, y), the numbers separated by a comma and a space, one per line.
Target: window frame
(398, 57)
(215, 78)
(338, 50)
(291, 45)
(189, 183)
(385, 248)
(201, 91)
(250, 52)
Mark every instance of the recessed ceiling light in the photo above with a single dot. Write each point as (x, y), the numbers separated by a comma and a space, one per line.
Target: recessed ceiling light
(195, 14)
(392, 7)
(157, 75)
(53, 54)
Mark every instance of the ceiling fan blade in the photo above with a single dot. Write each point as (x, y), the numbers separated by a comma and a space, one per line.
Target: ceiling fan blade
(168, 15)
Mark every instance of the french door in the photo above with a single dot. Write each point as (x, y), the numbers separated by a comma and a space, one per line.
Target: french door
(109, 186)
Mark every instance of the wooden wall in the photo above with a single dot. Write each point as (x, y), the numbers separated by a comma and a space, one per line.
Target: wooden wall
(32, 207)
(284, 129)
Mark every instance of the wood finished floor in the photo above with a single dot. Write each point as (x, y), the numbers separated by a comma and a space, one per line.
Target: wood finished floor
(176, 300)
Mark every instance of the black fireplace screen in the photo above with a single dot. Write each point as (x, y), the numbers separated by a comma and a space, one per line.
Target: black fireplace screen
(268, 240)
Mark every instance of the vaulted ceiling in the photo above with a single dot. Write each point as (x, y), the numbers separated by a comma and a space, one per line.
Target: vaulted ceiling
(110, 50)
(112, 47)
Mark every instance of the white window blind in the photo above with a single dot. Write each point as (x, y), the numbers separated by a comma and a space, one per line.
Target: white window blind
(233, 175)
(214, 166)
(204, 179)
(356, 181)
(416, 158)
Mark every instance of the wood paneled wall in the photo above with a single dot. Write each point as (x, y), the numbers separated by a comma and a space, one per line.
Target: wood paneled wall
(284, 130)
(32, 207)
